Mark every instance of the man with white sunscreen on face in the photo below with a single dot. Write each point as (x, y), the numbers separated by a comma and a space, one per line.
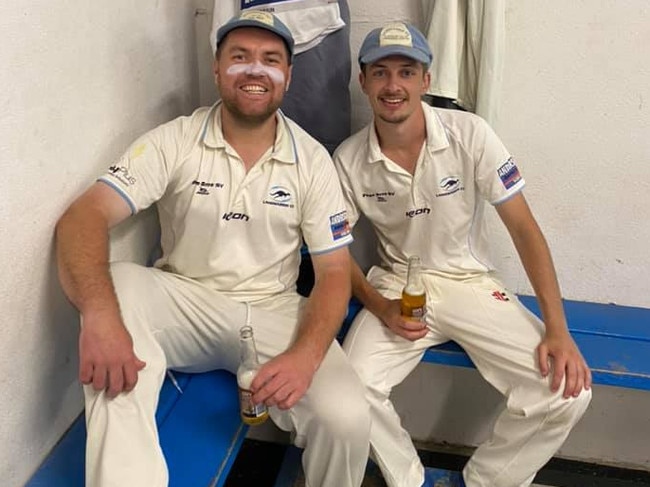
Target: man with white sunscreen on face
(422, 176)
(237, 187)
(319, 96)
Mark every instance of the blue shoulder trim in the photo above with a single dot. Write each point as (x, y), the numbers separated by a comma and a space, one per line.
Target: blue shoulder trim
(121, 192)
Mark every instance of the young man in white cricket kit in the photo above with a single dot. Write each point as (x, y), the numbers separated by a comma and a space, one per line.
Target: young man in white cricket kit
(421, 175)
(237, 187)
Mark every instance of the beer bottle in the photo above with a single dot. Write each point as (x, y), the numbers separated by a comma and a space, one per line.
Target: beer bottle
(250, 413)
(414, 298)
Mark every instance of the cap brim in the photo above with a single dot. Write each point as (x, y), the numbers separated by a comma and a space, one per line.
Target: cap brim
(226, 29)
(381, 52)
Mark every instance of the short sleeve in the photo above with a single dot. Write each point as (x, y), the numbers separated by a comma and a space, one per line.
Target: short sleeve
(497, 175)
(142, 174)
(325, 223)
(348, 195)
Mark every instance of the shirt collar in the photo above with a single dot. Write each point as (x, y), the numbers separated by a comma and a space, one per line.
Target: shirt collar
(436, 135)
(284, 146)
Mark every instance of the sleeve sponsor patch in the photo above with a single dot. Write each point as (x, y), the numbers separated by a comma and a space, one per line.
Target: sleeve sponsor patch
(121, 173)
(339, 225)
(509, 174)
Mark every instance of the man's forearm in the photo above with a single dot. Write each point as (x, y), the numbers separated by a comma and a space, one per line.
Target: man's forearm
(536, 258)
(82, 260)
(324, 312)
(371, 299)
(538, 264)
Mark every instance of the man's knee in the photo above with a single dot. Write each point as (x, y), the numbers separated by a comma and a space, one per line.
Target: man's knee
(345, 417)
(572, 409)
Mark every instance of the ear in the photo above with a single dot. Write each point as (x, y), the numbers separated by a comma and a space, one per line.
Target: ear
(215, 69)
(426, 82)
(286, 85)
(362, 81)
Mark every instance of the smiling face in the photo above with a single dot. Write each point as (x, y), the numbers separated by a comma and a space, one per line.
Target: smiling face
(394, 86)
(252, 73)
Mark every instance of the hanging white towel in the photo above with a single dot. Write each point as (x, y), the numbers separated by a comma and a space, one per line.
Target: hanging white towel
(467, 38)
(309, 21)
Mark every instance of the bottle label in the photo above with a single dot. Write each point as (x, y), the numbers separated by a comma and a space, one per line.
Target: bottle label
(248, 408)
(414, 306)
(418, 312)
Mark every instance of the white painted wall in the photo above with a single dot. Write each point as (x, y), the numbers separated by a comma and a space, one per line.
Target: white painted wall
(576, 114)
(80, 80)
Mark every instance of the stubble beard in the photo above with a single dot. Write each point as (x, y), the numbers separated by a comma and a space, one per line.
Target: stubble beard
(394, 120)
(250, 119)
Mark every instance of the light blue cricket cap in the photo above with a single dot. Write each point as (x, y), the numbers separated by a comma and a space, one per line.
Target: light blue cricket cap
(395, 39)
(261, 20)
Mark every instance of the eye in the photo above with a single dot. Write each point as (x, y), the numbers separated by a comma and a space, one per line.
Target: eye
(379, 73)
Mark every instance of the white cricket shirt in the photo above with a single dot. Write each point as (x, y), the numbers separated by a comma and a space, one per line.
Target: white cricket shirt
(239, 233)
(438, 212)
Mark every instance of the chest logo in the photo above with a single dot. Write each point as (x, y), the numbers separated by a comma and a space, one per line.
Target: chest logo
(204, 187)
(450, 185)
(279, 196)
(380, 196)
(235, 216)
(418, 212)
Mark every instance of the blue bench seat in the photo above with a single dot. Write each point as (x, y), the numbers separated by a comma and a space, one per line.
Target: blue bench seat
(200, 434)
(201, 431)
(615, 341)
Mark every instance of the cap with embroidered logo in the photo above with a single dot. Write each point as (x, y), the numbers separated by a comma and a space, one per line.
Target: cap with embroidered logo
(260, 19)
(395, 39)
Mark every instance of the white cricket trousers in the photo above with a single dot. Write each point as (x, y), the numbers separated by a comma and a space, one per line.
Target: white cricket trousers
(181, 324)
(501, 337)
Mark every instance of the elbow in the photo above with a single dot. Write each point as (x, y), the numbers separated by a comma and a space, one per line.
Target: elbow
(61, 225)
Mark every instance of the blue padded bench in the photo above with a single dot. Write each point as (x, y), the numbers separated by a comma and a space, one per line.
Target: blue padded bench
(200, 434)
(615, 341)
(201, 431)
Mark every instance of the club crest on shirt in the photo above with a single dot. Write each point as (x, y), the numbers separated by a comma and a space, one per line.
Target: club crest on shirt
(450, 185)
(279, 196)
(339, 225)
(508, 173)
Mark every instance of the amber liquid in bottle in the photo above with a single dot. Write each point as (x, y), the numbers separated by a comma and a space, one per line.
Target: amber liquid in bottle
(250, 412)
(414, 298)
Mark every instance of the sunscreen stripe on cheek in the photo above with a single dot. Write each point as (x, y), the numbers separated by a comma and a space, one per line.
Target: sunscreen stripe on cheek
(257, 69)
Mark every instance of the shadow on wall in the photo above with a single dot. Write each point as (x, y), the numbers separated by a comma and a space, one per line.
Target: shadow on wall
(56, 390)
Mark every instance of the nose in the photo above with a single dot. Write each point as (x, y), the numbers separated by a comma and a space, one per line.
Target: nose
(392, 81)
(255, 69)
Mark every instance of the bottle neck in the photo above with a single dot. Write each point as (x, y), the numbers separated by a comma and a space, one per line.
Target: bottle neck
(247, 350)
(414, 284)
